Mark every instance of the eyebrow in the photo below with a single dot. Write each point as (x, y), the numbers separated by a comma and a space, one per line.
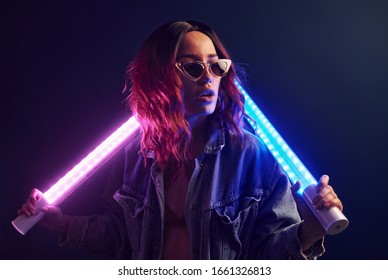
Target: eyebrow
(194, 56)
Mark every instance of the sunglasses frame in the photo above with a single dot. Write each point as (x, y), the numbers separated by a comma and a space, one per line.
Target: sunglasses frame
(205, 66)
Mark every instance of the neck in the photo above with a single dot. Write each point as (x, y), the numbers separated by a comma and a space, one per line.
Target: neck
(199, 131)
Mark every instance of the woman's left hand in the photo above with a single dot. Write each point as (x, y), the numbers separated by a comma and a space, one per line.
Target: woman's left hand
(311, 230)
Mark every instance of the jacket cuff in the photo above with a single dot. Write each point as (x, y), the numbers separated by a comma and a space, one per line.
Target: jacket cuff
(75, 232)
(312, 253)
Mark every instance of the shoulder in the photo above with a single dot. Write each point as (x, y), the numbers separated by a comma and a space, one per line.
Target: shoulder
(249, 142)
(248, 148)
(133, 145)
(250, 139)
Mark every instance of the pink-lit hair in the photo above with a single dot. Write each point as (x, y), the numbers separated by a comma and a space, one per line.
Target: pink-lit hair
(154, 93)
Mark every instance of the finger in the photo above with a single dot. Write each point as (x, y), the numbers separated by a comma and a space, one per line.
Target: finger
(322, 193)
(338, 203)
(295, 193)
(332, 200)
(26, 210)
(51, 210)
(295, 187)
(30, 208)
(324, 180)
(327, 201)
(35, 195)
(22, 211)
(300, 202)
(329, 204)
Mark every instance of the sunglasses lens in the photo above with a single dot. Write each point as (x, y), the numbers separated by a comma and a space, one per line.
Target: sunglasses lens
(195, 70)
(219, 68)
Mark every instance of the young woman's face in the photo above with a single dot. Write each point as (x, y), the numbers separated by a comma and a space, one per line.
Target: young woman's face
(200, 97)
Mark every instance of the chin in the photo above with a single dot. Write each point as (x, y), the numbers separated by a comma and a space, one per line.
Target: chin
(207, 111)
(203, 112)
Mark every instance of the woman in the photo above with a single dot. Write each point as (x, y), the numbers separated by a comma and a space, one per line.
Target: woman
(195, 183)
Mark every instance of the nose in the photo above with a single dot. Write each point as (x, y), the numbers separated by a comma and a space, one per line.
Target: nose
(207, 77)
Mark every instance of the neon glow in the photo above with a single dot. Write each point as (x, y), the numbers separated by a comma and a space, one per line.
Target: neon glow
(68, 183)
(287, 159)
(332, 219)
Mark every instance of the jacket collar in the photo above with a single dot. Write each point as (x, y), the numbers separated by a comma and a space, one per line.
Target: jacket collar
(214, 144)
(216, 140)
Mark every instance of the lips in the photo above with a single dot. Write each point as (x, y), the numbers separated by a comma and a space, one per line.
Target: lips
(207, 93)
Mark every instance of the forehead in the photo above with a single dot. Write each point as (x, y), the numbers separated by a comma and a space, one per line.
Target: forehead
(198, 44)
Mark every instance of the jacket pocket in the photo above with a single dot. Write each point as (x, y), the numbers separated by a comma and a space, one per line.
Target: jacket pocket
(132, 203)
(231, 226)
(236, 209)
(136, 214)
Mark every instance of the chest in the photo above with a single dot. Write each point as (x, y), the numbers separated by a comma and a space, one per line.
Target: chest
(176, 183)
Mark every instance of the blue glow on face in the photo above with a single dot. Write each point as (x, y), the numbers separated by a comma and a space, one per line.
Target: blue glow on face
(287, 159)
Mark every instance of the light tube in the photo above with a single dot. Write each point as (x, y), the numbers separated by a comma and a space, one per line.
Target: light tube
(78, 174)
(67, 184)
(332, 220)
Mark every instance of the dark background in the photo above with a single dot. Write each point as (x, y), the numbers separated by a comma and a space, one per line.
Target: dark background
(318, 70)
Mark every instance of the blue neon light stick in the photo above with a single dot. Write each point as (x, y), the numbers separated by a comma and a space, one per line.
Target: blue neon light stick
(333, 220)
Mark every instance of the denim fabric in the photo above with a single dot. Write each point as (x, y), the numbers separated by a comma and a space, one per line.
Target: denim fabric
(238, 206)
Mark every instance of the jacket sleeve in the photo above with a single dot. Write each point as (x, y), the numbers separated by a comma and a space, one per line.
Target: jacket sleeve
(105, 233)
(278, 221)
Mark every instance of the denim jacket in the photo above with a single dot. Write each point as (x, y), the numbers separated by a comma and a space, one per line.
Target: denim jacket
(238, 206)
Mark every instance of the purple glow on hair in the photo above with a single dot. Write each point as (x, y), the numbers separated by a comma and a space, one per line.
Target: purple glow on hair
(86, 167)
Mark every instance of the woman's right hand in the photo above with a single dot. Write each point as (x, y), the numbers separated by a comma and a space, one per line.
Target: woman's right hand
(54, 219)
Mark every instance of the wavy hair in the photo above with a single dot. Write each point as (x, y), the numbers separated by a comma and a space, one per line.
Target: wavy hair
(154, 93)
